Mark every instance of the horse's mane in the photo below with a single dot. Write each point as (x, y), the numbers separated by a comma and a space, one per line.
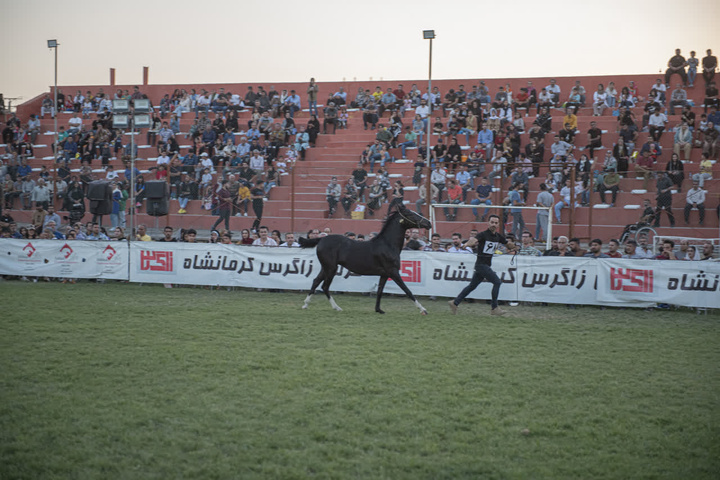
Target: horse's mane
(391, 218)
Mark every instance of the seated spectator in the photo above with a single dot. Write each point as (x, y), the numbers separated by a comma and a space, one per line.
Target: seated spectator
(613, 247)
(632, 251)
(711, 141)
(596, 249)
(600, 98)
(656, 124)
(705, 172)
(594, 135)
(683, 140)
(331, 117)
(675, 171)
(676, 65)
(708, 251)
(610, 181)
(695, 199)
(332, 195)
(678, 97)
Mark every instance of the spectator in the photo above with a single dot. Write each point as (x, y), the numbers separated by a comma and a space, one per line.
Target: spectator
(455, 194)
(683, 140)
(610, 181)
(562, 248)
(435, 244)
(168, 235)
(599, 100)
(350, 195)
(564, 202)
(631, 251)
(264, 240)
(708, 251)
(666, 251)
(695, 199)
(596, 249)
(664, 199)
(332, 195)
(422, 192)
(482, 195)
(574, 247)
(678, 97)
(594, 139)
(331, 115)
(398, 196)
(290, 241)
(456, 245)
(674, 170)
(613, 247)
(656, 124)
(527, 247)
(257, 195)
(705, 172)
(711, 141)
(516, 200)
(709, 63)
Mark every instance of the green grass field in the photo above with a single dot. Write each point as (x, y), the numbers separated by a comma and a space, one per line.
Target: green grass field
(121, 381)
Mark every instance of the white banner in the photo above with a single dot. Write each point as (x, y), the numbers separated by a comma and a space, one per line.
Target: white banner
(692, 284)
(64, 259)
(582, 281)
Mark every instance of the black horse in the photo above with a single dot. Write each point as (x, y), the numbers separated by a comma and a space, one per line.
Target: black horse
(378, 256)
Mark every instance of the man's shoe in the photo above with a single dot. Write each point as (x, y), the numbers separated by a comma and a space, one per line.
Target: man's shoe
(453, 307)
(497, 311)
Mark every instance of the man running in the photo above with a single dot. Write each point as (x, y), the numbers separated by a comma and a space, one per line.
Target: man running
(487, 242)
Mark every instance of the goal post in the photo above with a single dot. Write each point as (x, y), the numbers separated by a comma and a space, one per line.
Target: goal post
(436, 210)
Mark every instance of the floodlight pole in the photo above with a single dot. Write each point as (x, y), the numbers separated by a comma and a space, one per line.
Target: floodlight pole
(429, 35)
(132, 176)
(54, 44)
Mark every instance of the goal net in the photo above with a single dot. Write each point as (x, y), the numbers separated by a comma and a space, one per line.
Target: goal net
(437, 214)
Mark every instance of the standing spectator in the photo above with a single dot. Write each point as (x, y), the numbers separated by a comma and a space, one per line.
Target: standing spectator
(257, 195)
(664, 199)
(41, 194)
(422, 192)
(398, 196)
(544, 199)
(695, 198)
(224, 206)
(312, 93)
(516, 200)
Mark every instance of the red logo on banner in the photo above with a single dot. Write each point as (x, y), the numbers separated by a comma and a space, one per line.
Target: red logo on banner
(29, 249)
(110, 252)
(67, 250)
(410, 271)
(631, 280)
(156, 261)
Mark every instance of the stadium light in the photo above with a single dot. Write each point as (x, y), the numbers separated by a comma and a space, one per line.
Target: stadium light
(429, 35)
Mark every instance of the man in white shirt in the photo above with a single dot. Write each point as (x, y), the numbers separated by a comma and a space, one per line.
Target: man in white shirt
(290, 241)
(554, 90)
(656, 124)
(695, 198)
(74, 124)
(263, 240)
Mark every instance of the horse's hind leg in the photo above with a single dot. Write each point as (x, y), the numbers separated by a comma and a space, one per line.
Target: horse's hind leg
(316, 282)
(326, 289)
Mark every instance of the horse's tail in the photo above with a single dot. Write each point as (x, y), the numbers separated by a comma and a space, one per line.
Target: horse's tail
(308, 242)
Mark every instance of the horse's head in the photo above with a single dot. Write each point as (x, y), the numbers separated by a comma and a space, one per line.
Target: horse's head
(410, 219)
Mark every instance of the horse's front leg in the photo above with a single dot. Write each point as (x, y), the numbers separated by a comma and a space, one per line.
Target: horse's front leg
(395, 276)
(316, 282)
(381, 287)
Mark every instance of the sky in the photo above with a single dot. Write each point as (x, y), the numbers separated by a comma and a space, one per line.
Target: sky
(215, 41)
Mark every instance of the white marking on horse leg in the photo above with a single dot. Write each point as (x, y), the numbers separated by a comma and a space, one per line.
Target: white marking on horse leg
(334, 305)
(422, 309)
(307, 301)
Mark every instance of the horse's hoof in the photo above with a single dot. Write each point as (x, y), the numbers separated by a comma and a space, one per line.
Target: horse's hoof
(304, 307)
(379, 311)
(423, 312)
(338, 309)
